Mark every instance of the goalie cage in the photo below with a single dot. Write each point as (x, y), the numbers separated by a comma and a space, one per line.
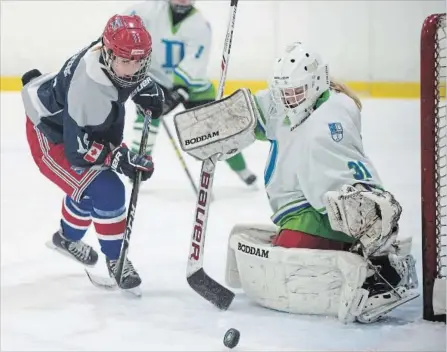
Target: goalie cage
(434, 166)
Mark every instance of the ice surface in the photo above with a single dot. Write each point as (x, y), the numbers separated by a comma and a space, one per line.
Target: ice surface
(48, 304)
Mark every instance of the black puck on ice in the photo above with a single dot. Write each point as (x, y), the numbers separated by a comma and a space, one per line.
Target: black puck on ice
(231, 338)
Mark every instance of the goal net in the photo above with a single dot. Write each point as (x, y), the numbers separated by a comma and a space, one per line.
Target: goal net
(434, 165)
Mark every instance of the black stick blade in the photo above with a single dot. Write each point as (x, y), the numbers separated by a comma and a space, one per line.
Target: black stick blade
(211, 290)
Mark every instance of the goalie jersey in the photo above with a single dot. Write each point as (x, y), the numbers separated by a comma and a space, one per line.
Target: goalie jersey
(320, 155)
(180, 52)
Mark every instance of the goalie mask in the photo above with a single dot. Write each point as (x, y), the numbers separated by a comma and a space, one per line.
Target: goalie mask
(127, 49)
(299, 79)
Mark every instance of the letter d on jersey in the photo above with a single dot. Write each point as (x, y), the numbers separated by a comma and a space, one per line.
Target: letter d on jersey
(200, 215)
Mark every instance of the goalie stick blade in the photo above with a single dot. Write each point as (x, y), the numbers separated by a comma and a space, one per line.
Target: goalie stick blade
(211, 290)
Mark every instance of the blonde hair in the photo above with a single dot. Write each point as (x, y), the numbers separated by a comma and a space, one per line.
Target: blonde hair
(342, 88)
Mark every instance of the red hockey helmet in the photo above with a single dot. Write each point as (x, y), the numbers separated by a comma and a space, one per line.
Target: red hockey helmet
(127, 49)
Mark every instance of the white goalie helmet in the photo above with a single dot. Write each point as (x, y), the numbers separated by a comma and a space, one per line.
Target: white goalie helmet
(299, 78)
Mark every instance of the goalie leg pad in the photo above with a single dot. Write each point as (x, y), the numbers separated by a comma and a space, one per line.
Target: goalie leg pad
(302, 281)
(258, 233)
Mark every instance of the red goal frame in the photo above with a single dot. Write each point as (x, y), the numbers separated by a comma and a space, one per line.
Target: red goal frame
(430, 93)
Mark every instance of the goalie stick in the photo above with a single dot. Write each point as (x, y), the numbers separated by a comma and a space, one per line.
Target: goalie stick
(197, 278)
(109, 283)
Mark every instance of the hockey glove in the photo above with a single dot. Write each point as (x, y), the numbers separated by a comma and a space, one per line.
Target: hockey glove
(150, 99)
(124, 161)
(175, 97)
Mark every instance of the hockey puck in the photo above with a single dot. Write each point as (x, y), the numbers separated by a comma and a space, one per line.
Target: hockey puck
(231, 338)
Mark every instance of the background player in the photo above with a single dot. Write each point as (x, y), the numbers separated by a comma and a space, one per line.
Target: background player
(182, 41)
(74, 126)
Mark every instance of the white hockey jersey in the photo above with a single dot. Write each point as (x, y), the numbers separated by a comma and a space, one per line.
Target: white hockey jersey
(320, 155)
(181, 51)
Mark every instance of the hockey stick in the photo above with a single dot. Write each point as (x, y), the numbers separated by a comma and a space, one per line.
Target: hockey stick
(179, 156)
(197, 278)
(133, 203)
(105, 283)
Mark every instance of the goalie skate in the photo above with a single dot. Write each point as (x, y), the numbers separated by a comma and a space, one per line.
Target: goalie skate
(378, 305)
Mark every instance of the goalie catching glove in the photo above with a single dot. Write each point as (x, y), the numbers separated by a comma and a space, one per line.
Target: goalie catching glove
(126, 162)
(369, 215)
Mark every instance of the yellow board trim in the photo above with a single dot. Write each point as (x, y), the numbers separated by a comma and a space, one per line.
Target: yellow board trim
(366, 89)
(10, 84)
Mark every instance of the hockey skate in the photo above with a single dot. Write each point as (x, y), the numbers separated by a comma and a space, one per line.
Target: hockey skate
(391, 286)
(130, 279)
(76, 250)
(247, 176)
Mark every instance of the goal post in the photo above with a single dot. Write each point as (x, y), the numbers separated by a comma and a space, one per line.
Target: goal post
(434, 166)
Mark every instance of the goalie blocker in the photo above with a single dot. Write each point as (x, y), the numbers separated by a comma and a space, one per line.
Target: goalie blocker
(344, 284)
(223, 127)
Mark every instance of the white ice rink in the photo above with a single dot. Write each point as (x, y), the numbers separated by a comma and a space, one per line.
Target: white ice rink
(48, 304)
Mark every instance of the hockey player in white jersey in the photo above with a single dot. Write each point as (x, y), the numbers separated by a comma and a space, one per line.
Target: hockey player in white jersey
(332, 247)
(182, 42)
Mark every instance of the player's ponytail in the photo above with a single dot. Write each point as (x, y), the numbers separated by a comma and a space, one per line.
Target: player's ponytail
(342, 88)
